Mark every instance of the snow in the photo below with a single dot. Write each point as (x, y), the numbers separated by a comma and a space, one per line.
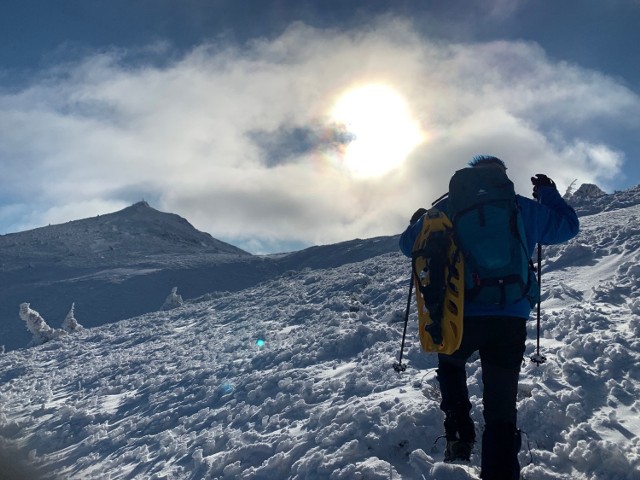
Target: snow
(292, 378)
(122, 265)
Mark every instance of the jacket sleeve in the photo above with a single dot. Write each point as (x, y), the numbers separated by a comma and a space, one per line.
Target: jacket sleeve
(408, 237)
(550, 221)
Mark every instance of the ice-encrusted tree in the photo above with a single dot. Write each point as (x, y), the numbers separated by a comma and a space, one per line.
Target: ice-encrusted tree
(37, 326)
(70, 323)
(570, 190)
(173, 300)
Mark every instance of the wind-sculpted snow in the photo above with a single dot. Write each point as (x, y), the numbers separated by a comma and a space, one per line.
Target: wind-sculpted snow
(602, 262)
(292, 379)
(190, 390)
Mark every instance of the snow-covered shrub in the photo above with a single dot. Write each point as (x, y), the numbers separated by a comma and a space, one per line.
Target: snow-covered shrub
(173, 300)
(37, 326)
(70, 323)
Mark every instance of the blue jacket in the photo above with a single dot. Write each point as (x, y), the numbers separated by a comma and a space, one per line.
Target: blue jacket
(548, 222)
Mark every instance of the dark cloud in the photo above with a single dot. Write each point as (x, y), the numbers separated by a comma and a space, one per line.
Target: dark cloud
(287, 144)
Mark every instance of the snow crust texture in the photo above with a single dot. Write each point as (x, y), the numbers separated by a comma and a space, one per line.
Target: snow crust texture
(292, 379)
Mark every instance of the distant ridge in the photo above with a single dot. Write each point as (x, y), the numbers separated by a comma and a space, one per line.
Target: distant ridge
(120, 237)
(590, 199)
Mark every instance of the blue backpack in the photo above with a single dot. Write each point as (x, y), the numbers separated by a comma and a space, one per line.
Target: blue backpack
(488, 229)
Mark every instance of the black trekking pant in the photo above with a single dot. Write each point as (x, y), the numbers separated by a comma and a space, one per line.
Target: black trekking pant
(501, 343)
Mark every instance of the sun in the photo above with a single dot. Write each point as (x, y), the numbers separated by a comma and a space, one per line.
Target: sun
(382, 127)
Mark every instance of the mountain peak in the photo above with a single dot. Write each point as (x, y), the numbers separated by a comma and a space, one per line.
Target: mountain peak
(137, 233)
(590, 199)
(589, 190)
(140, 206)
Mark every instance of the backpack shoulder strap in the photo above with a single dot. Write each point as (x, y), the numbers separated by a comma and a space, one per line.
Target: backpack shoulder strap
(440, 198)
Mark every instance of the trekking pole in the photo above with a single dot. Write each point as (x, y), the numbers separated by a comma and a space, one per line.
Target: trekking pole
(399, 367)
(537, 357)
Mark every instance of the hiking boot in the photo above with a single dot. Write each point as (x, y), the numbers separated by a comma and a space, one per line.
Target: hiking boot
(458, 450)
(459, 426)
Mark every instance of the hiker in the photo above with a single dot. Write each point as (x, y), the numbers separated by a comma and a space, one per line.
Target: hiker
(497, 330)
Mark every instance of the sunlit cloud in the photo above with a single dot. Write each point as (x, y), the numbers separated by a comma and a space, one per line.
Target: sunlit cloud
(241, 140)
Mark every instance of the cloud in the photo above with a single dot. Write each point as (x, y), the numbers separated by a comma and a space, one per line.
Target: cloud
(238, 139)
(290, 143)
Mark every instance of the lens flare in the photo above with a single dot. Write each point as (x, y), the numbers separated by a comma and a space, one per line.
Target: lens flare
(226, 388)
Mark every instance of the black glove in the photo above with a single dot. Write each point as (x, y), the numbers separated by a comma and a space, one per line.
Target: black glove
(416, 216)
(541, 180)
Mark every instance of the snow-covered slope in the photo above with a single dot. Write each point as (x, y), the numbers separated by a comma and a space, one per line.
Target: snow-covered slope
(112, 266)
(292, 378)
(124, 264)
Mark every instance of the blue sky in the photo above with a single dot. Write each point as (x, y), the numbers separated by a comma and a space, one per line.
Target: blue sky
(276, 125)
